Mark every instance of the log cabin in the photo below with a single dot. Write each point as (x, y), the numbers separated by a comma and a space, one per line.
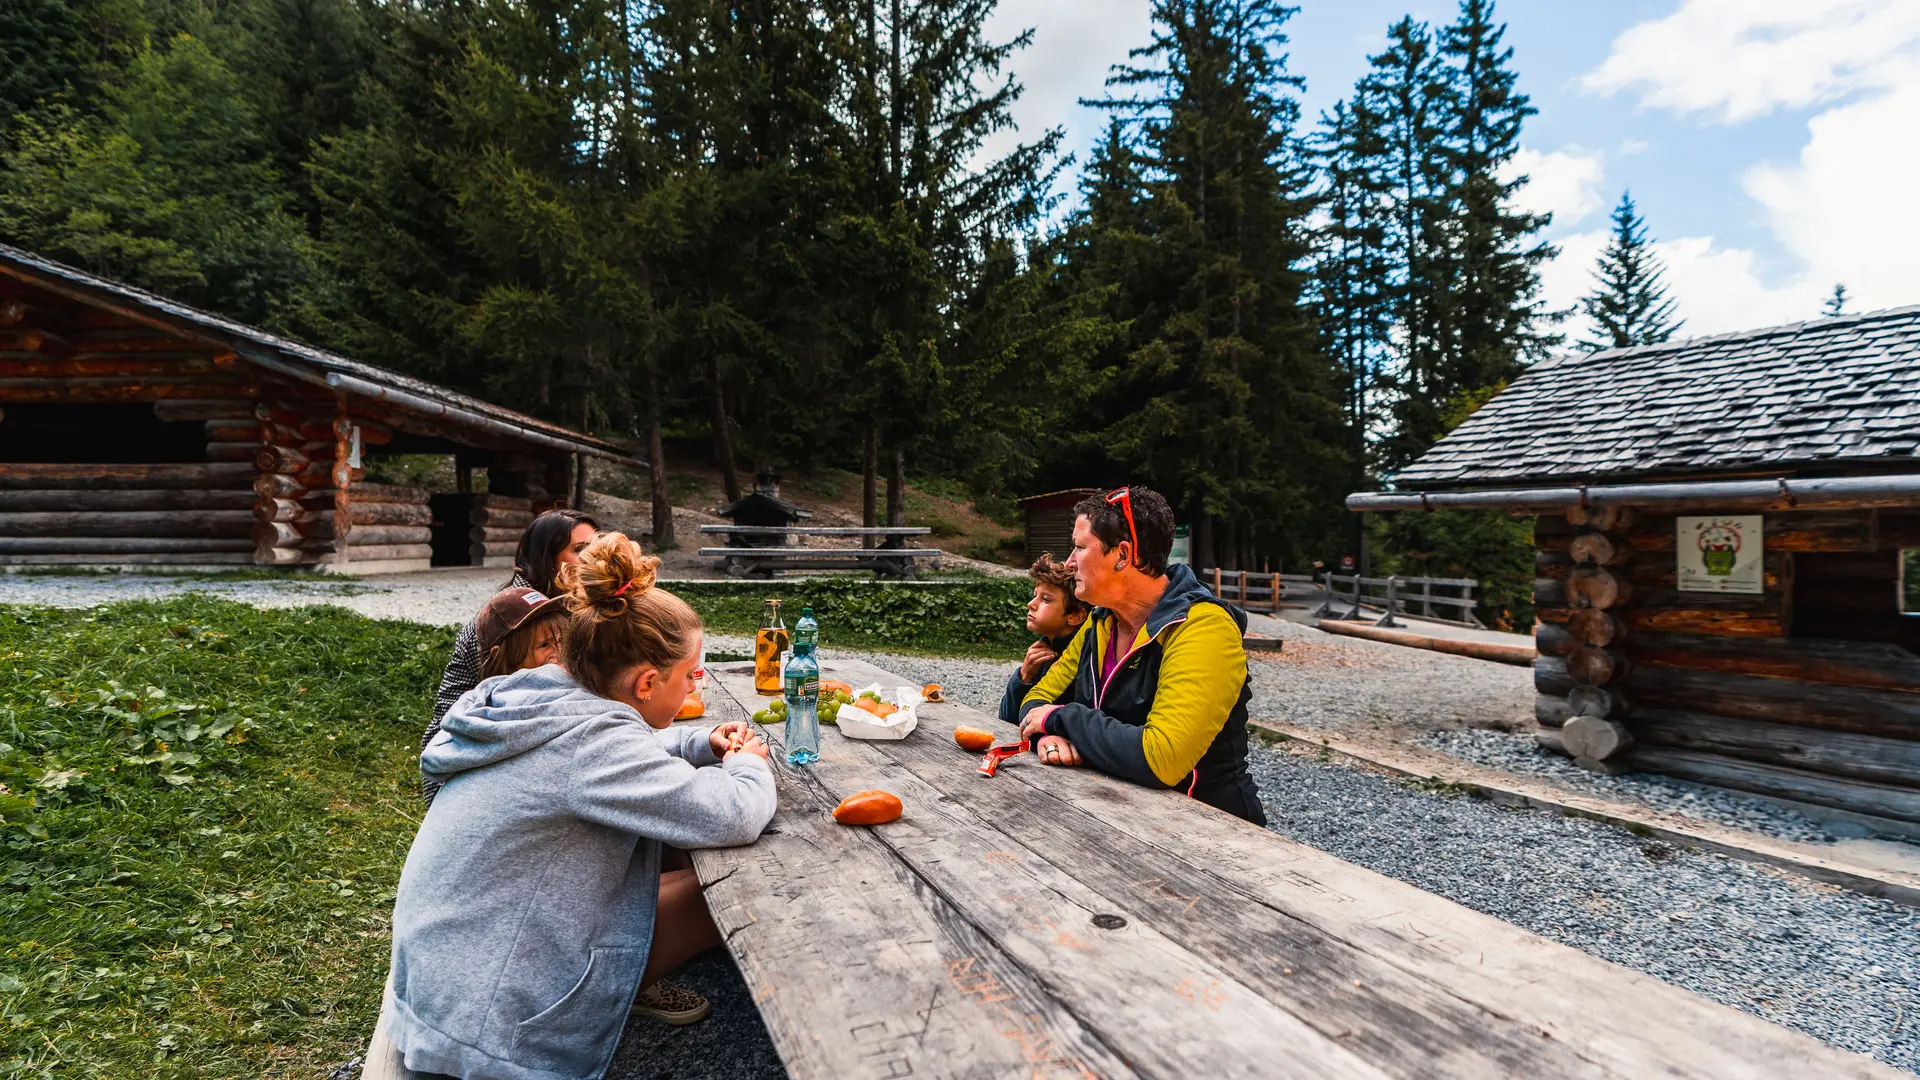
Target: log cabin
(1727, 543)
(139, 431)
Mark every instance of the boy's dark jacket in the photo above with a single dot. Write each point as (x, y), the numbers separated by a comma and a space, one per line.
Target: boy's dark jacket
(1174, 713)
(1017, 687)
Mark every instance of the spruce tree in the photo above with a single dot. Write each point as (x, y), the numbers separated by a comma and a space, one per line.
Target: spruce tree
(1492, 320)
(1399, 110)
(1219, 395)
(1836, 304)
(166, 184)
(1629, 304)
(1353, 280)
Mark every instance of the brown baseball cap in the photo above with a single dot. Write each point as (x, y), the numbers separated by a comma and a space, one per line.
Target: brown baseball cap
(509, 610)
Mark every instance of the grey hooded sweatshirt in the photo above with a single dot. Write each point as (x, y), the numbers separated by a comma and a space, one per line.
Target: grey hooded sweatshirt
(525, 912)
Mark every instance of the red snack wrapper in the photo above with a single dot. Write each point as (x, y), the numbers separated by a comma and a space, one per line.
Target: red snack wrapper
(991, 762)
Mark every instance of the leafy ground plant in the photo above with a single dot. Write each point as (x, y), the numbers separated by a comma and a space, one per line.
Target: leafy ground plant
(204, 809)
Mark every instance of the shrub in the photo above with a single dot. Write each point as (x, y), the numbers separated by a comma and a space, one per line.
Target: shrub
(983, 617)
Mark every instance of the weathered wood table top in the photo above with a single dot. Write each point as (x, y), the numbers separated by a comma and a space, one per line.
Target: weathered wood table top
(1052, 922)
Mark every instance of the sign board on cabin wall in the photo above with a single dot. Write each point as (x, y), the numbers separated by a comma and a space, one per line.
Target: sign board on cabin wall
(1720, 554)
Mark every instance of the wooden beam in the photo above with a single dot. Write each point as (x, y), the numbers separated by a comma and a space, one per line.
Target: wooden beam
(18, 475)
(46, 500)
(1844, 663)
(1857, 796)
(130, 558)
(207, 523)
(117, 545)
(86, 390)
(1889, 714)
(1832, 753)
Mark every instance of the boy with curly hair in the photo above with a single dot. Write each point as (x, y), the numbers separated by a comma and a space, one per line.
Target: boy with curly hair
(1056, 615)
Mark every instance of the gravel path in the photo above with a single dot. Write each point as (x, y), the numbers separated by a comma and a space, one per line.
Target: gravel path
(1841, 967)
(1335, 683)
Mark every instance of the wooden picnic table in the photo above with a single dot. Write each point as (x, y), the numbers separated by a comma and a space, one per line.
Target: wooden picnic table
(1052, 922)
(760, 551)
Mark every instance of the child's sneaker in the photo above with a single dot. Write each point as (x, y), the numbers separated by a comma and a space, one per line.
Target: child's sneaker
(671, 1003)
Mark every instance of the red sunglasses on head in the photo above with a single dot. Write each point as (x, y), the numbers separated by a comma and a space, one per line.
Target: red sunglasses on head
(1124, 496)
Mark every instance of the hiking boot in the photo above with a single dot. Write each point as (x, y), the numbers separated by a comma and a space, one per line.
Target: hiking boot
(671, 1003)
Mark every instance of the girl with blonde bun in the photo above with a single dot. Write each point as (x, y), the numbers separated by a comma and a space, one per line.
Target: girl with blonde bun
(533, 904)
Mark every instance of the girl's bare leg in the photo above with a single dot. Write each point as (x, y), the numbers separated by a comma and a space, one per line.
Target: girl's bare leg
(682, 927)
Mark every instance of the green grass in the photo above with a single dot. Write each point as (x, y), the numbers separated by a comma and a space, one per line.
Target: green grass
(204, 814)
(984, 617)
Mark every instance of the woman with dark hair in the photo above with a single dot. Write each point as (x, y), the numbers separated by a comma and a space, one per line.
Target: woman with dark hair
(555, 539)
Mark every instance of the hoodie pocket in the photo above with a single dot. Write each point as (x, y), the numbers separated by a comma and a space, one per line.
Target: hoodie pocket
(578, 1033)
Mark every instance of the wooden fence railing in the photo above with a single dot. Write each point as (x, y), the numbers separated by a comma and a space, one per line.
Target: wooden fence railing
(1399, 595)
(1255, 591)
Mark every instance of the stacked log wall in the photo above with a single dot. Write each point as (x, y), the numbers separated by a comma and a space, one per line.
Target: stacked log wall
(191, 513)
(1715, 687)
(495, 526)
(390, 524)
(297, 484)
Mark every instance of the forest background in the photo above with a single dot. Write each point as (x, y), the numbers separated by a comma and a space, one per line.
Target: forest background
(769, 228)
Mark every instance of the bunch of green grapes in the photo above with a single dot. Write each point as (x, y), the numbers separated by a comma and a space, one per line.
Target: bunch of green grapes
(774, 713)
(830, 703)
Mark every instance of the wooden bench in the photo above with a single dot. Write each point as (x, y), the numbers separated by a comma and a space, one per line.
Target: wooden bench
(743, 558)
(1052, 922)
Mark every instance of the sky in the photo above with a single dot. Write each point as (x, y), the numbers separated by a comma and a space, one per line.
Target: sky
(1773, 146)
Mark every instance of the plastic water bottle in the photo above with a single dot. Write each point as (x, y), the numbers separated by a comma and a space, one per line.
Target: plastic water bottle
(802, 733)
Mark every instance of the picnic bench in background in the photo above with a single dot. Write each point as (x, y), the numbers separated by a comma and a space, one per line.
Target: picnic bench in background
(763, 550)
(1053, 922)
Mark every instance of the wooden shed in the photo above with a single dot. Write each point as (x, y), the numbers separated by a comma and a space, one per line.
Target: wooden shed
(135, 430)
(1048, 520)
(1728, 553)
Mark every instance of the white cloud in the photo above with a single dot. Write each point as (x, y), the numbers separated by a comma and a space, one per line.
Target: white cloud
(1073, 46)
(1564, 182)
(1629, 147)
(1847, 209)
(1716, 289)
(1844, 212)
(1742, 59)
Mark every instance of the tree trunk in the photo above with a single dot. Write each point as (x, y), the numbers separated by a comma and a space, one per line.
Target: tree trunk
(1200, 543)
(897, 489)
(869, 486)
(722, 438)
(663, 537)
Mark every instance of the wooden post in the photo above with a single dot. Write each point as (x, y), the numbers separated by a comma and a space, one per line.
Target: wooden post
(1216, 581)
(1276, 592)
(342, 481)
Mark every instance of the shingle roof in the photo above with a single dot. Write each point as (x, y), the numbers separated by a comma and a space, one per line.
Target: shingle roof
(1823, 393)
(25, 265)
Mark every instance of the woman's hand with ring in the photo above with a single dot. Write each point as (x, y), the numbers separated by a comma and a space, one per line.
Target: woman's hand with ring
(1055, 750)
(1036, 722)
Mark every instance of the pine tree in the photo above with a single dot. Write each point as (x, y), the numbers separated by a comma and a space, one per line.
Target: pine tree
(1629, 304)
(168, 185)
(1399, 111)
(1353, 279)
(1219, 396)
(1492, 318)
(1836, 304)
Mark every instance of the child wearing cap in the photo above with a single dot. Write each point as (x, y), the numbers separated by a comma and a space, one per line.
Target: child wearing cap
(518, 629)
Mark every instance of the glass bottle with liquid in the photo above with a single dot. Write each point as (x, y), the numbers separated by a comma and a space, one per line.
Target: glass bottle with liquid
(802, 733)
(769, 643)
